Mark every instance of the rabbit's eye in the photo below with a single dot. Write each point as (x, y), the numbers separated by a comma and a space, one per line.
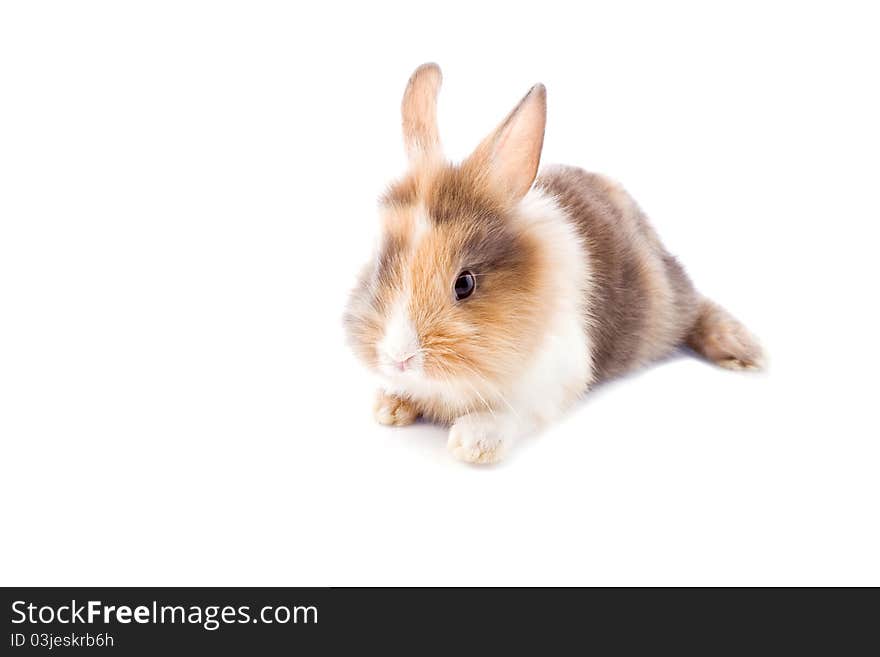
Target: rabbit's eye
(464, 285)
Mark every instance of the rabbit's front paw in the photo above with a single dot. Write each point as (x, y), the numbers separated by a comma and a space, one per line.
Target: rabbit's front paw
(478, 438)
(394, 411)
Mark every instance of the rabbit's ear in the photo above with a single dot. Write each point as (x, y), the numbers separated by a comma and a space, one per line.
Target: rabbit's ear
(510, 155)
(419, 109)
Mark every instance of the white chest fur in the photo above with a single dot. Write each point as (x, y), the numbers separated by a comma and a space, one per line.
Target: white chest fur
(561, 367)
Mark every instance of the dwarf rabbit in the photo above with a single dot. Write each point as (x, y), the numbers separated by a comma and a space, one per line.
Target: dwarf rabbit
(499, 295)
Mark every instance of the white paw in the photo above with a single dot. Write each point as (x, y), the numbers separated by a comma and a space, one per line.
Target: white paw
(477, 438)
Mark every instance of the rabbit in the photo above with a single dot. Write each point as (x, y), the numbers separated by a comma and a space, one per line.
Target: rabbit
(499, 295)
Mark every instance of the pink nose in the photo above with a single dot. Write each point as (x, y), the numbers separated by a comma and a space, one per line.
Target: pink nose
(402, 365)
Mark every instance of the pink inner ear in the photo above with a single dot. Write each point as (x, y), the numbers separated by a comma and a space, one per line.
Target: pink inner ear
(516, 150)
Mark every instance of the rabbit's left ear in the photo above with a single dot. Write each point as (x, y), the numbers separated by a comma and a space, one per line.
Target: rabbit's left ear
(419, 110)
(511, 154)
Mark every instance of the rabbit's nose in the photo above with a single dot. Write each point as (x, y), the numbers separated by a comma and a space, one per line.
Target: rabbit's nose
(399, 347)
(402, 365)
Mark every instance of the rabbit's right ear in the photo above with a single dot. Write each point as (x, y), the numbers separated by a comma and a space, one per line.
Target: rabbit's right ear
(419, 109)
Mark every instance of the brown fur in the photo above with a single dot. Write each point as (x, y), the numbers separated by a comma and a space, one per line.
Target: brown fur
(403, 193)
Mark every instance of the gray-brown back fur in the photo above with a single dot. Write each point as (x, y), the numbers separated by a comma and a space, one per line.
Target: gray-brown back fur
(642, 303)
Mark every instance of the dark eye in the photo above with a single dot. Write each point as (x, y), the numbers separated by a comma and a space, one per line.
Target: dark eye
(464, 285)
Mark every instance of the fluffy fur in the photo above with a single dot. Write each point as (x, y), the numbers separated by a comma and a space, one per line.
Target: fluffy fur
(572, 286)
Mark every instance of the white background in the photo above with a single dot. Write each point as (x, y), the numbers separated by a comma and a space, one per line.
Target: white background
(187, 191)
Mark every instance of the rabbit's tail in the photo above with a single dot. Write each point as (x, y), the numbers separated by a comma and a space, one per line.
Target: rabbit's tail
(722, 339)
